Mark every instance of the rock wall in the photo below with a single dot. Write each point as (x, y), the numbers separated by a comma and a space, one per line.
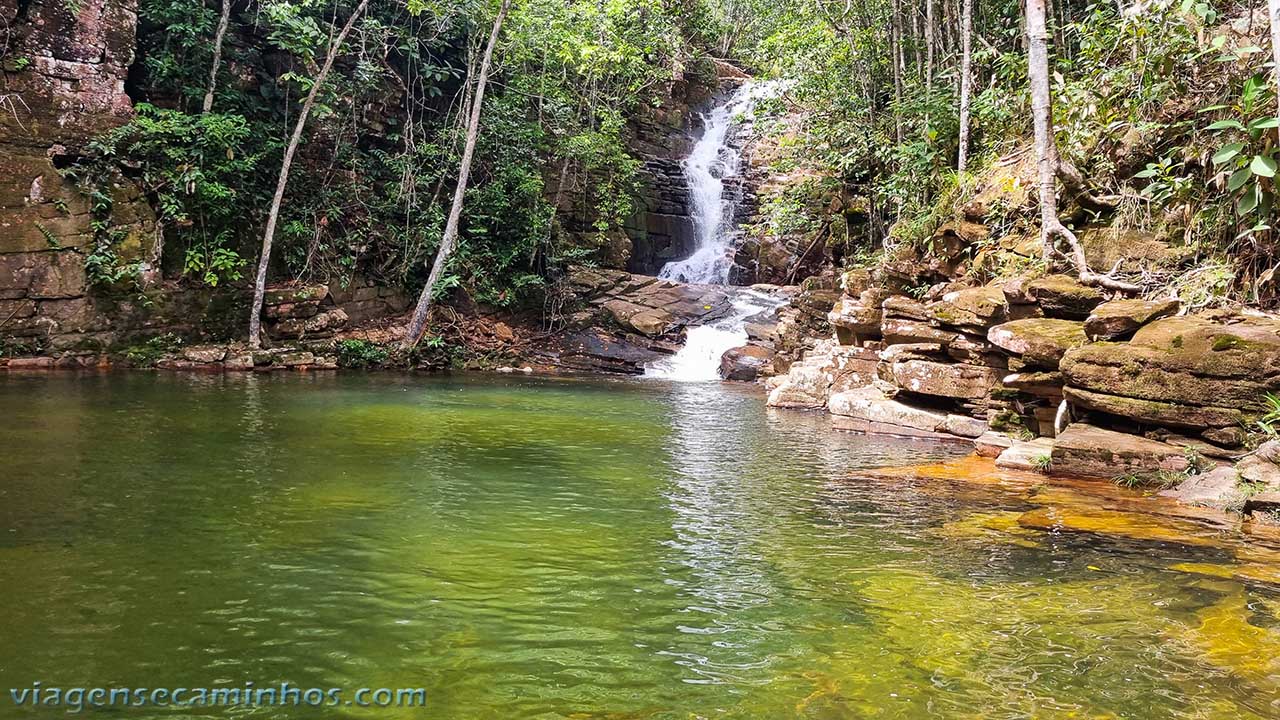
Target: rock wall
(1047, 374)
(64, 84)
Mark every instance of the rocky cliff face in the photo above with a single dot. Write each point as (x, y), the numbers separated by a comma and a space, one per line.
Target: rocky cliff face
(64, 84)
(1047, 374)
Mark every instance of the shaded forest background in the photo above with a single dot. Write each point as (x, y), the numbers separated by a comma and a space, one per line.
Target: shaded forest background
(1166, 112)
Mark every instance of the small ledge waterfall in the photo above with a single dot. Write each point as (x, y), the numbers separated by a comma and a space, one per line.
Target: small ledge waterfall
(713, 160)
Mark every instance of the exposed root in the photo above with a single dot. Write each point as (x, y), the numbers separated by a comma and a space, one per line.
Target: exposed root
(1074, 181)
(1056, 229)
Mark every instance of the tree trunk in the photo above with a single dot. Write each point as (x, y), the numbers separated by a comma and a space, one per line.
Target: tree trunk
(217, 55)
(260, 280)
(966, 82)
(895, 60)
(450, 239)
(1051, 228)
(1273, 9)
(929, 45)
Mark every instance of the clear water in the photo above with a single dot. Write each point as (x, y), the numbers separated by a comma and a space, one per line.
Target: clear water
(526, 548)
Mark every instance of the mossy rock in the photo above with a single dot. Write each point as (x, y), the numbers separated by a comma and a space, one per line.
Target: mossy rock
(1121, 318)
(1061, 296)
(1041, 341)
(979, 307)
(1205, 360)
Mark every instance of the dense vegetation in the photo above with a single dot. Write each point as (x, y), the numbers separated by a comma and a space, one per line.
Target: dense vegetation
(1165, 108)
(382, 149)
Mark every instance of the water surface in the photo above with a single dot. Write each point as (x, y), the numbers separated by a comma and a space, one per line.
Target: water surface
(528, 548)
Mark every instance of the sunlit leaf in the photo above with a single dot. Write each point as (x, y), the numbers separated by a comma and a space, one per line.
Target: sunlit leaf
(1263, 165)
(1227, 153)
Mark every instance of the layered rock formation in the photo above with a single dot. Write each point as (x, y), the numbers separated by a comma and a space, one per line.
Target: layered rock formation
(1049, 375)
(619, 322)
(65, 72)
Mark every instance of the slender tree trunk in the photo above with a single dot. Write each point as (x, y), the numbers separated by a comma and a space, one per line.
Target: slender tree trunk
(966, 82)
(260, 280)
(450, 238)
(929, 45)
(895, 52)
(217, 55)
(915, 40)
(1273, 9)
(1051, 228)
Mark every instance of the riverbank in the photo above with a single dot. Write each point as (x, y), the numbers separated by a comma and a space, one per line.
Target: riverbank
(1045, 374)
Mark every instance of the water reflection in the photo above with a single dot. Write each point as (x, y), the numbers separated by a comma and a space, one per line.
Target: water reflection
(526, 548)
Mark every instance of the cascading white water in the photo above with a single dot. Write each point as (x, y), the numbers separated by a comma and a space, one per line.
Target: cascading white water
(699, 359)
(713, 160)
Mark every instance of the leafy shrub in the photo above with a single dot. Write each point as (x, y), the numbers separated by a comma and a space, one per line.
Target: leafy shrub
(147, 353)
(358, 354)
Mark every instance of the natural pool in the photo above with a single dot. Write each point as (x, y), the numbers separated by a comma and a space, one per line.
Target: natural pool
(528, 548)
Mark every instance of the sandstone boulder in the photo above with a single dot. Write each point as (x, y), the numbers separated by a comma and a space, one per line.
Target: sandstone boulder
(807, 385)
(953, 380)
(855, 318)
(1174, 415)
(867, 409)
(1219, 488)
(745, 363)
(1040, 341)
(1061, 296)
(976, 308)
(1199, 371)
(1027, 455)
(991, 443)
(1087, 451)
(1119, 319)
(1040, 384)
(901, 306)
(204, 353)
(902, 331)
(963, 426)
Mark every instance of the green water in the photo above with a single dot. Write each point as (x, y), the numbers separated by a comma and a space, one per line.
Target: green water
(568, 549)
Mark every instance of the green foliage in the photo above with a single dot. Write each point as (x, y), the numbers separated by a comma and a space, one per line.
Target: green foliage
(1042, 463)
(148, 352)
(1156, 480)
(358, 354)
(1249, 161)
(194, 167)
(1269, 423)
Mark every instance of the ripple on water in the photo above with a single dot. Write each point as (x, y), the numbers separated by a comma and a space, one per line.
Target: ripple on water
(579, 549)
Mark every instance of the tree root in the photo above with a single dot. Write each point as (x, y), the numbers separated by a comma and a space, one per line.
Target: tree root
(1074, 181)
(1087, 277)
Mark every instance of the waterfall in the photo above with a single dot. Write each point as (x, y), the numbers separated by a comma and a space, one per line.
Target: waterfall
(713, 160)
(699, 359)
